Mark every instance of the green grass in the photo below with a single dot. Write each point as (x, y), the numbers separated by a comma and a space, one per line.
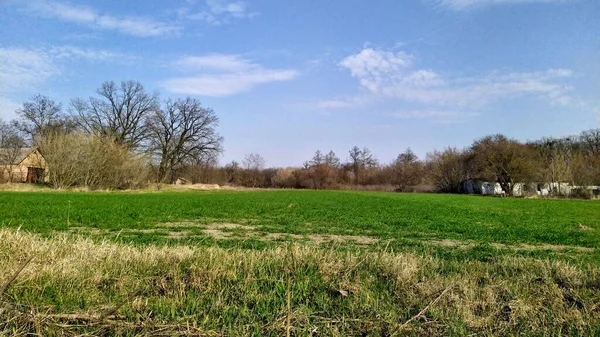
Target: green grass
(383, 215)
(217, 263)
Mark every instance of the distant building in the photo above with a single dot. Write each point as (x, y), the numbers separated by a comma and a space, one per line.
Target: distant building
(22, 165)
(482, 187)
(479, 186)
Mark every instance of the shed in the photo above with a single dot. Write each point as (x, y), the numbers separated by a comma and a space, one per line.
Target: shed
(22, 165)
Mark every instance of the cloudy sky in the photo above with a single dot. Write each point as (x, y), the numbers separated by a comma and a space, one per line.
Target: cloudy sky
(289, 77)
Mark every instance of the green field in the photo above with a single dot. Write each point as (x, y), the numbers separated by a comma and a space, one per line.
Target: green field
(311, 262)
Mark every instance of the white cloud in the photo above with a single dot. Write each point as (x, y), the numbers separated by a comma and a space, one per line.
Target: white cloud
(390, 75)
(438, 116)
(132, 25)
(466, 4)
(217, 12)
(62, 52)
(223, 75)
(23, 68)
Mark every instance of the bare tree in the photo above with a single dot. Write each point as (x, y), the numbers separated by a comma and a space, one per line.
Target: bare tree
(361, 159)
(317, 159)
(183, 132)
(332, 160)
(232, 172)
(39, 116)
(11, 144)
(590, 141)
(447, 169)
(321, 169)
(506, 161)
(253, 163)
(120, 112)
(408, 170)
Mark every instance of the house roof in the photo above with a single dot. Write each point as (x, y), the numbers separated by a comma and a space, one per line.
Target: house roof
(9, 156)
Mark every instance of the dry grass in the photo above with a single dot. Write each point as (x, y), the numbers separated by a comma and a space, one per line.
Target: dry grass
(77, 286)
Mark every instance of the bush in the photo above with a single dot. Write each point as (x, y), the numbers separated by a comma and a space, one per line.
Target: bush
(95, 162)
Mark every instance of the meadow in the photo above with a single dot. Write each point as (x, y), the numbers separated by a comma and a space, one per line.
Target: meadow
(297, 262)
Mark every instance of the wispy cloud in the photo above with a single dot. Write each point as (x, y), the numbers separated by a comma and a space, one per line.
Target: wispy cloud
(217, 12)
(467, 4)
(131, 25)
(223, 75)
(63, 52)
(438, 116)
(394, 75)
(23, 68)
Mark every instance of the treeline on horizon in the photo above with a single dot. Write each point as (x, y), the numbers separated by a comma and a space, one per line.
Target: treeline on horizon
(126, 138)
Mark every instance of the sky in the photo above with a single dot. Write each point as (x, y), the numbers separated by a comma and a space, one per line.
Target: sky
(287, 78)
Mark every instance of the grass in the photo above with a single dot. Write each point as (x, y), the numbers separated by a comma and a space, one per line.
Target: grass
(358, 263)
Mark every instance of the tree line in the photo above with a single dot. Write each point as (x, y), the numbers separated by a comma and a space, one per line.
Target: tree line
(498, 159)
(125, 137)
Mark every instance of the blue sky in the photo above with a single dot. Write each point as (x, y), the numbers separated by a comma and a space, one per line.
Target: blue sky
(289, 77)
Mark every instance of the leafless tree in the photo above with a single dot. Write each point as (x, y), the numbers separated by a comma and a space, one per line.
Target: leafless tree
(321, 169)
(408, 170)
(361, 159)
(10, 149)
(253, 163)
(503, 160)
(120, 112)
(317, 159)
(183, 132)
(232, 172)
(590, 141)
(332, 160)
(447, 169)
(39, 116)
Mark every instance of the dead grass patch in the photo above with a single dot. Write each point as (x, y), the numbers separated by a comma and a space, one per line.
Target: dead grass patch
(466, 244)
(117, 289)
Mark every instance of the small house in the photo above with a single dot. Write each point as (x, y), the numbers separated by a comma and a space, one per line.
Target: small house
(22, 165)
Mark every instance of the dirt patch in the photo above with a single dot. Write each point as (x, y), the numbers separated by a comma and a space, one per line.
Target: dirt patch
(452, 243)
(179, 224)
(280, 236)
(363, 240)
(464, 244)
(218, 231)
(178, 235)
(142, 231)
(556, 248)
(217, 234)
(581, 227)
(87, 230)
(229, 226)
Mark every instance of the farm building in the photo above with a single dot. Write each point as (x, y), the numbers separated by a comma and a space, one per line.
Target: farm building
(477, 186)
(22, 165)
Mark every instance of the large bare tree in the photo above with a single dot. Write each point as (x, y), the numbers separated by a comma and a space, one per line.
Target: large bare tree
(504, 160)
(120, 112)
(447, 169)
(183, 132)
(40, 116)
